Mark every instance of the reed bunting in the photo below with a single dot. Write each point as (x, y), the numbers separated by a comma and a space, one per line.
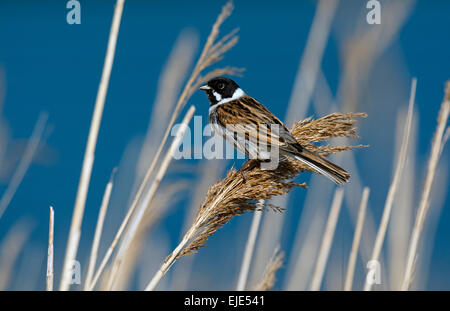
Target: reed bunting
(253, 130)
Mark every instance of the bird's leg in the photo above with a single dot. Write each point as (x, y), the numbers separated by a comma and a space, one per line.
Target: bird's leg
(243, 175)
(249, 165)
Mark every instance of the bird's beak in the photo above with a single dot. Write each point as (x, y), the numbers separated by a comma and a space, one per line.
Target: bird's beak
(205, 87)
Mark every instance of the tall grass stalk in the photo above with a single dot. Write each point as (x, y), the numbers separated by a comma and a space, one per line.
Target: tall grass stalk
(88, 161)
(310, 63)
(24, 163)
(209, 172)
(249, 248)
(146, 200)
(170, 83)
(11, 246)
(327, 240)
(51, 229)
(402, 217)
(395, 181)
(356, 240)
(309, 229)
(424, 205)
(170, 194)
(98, 230)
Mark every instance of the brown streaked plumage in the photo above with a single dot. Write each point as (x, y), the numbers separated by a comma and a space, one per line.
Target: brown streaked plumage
(252, 129)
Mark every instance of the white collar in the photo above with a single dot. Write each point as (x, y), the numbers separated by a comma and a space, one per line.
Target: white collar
(238, 93)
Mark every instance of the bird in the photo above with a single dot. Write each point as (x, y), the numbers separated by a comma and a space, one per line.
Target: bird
(252, 129)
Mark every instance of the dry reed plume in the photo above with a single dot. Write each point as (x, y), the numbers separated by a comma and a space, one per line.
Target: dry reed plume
(233, 196)
(268, 279)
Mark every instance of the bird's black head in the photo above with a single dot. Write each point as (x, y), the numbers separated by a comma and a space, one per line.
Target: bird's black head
(221, 88)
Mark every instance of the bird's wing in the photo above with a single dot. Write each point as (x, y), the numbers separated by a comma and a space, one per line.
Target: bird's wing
(248, 119)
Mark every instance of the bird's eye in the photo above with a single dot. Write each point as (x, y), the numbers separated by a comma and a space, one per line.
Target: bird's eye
(221, 86)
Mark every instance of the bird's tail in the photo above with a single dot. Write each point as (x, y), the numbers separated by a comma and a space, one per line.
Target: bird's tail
(323, 166)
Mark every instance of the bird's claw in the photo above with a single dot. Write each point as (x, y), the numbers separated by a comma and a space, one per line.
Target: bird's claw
(243, 176)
